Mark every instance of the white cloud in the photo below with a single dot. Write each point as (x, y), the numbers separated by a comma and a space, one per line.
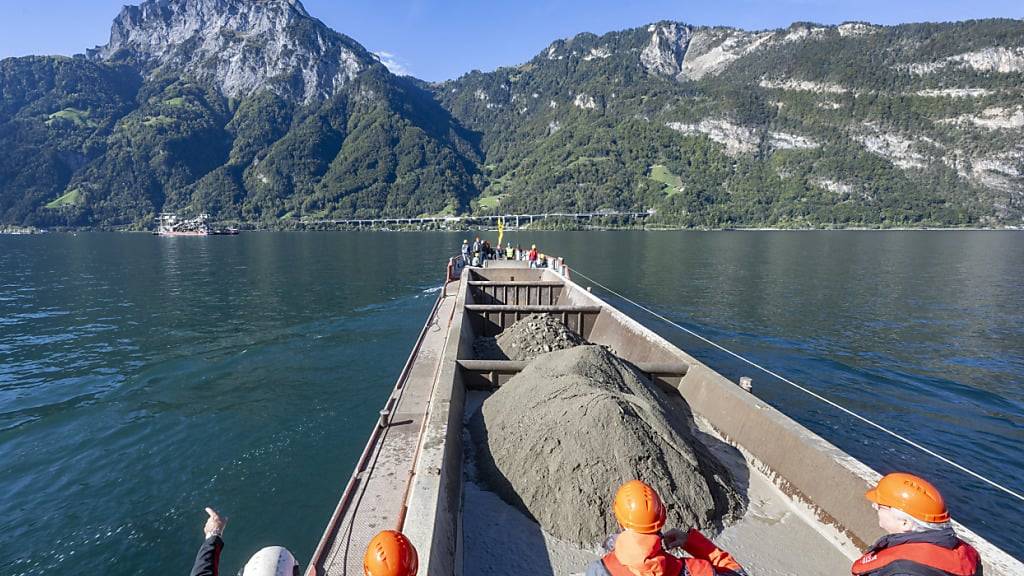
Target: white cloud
(395, 64)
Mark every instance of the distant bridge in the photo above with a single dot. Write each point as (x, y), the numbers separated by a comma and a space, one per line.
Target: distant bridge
(513, 221)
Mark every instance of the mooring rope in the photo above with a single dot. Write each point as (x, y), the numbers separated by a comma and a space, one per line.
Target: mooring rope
(896, 435)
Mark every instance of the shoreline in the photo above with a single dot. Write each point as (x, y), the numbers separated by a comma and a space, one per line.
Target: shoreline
(593, 229)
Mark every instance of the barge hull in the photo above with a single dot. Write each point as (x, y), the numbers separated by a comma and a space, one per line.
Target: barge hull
(806, 512)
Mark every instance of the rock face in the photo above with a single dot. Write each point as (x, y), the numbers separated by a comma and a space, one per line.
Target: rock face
(241, 46)
(560, 437)
(804, 86)
(666, 50)
(738, 140)
(585, 102)
(712, 50)
(688, 53)
(901, 151)
(994, 118)
(1001, 60)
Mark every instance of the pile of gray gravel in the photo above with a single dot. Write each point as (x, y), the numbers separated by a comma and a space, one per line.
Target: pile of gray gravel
(528, 338)
(559, 438)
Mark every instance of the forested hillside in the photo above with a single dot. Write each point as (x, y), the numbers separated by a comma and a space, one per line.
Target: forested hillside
(256, 112)
(849, 125)
(253, 112)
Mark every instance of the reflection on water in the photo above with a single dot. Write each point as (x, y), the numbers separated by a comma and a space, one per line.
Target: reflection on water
(142, 378)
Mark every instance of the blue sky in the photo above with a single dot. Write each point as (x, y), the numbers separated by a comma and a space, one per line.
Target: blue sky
(437, 40)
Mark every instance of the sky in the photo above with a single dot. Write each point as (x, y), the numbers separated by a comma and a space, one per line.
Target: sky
(438, 40)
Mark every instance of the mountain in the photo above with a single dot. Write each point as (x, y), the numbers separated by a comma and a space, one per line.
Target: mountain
(812, 125)
(253, 110)
(239, 47)
(249, 110)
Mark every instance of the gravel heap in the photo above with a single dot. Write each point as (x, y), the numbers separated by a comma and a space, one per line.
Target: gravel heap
(559, 438)
(528, 338)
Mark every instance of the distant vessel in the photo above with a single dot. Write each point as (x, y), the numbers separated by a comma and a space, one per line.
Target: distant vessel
(19, 230)
(172, 225)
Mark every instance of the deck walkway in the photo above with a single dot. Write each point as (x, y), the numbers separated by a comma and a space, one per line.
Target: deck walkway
(378, 499)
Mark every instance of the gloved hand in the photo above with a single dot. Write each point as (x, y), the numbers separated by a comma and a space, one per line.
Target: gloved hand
(698, 546)
(674, 538)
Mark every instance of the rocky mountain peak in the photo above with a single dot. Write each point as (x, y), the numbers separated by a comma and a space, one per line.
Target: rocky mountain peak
(240, 46)
(664, 54)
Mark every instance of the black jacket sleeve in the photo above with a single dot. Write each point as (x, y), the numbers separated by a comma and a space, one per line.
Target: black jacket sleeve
(208, 559)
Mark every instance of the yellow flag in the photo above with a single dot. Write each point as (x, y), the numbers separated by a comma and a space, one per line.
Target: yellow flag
(501, 229)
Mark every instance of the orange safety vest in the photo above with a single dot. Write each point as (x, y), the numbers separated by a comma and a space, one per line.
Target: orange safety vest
(961, 560)
(667, 565)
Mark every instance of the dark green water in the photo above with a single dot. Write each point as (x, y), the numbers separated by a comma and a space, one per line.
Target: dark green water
(143, 378)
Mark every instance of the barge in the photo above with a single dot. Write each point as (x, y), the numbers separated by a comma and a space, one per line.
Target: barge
(805, 514)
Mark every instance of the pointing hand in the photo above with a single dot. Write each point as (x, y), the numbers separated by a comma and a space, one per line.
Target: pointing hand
(214, 524)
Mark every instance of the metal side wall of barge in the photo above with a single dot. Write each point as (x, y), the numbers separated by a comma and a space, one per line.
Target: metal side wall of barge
(433, 519)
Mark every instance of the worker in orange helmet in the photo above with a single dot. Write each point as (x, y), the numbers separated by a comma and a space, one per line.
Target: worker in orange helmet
(919, 539)
(390, 554)
(640, 549)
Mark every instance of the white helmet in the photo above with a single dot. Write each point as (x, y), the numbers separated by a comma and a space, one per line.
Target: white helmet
(271, 561)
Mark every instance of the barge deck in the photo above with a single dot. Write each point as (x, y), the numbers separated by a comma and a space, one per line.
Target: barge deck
(375, 498)
(805, 509)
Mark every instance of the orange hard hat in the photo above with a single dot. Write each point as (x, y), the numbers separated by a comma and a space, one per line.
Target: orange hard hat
(911, 494)
(637, 507)
(390, 554)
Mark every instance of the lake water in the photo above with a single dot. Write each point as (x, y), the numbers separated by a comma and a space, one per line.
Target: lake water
(143, 378)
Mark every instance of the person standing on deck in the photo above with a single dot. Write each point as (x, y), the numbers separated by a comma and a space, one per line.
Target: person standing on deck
(919, 539)
(465, 251)
(510, 252)
(390, 554)
(640, 549)
(477, 252)
(532, 256)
